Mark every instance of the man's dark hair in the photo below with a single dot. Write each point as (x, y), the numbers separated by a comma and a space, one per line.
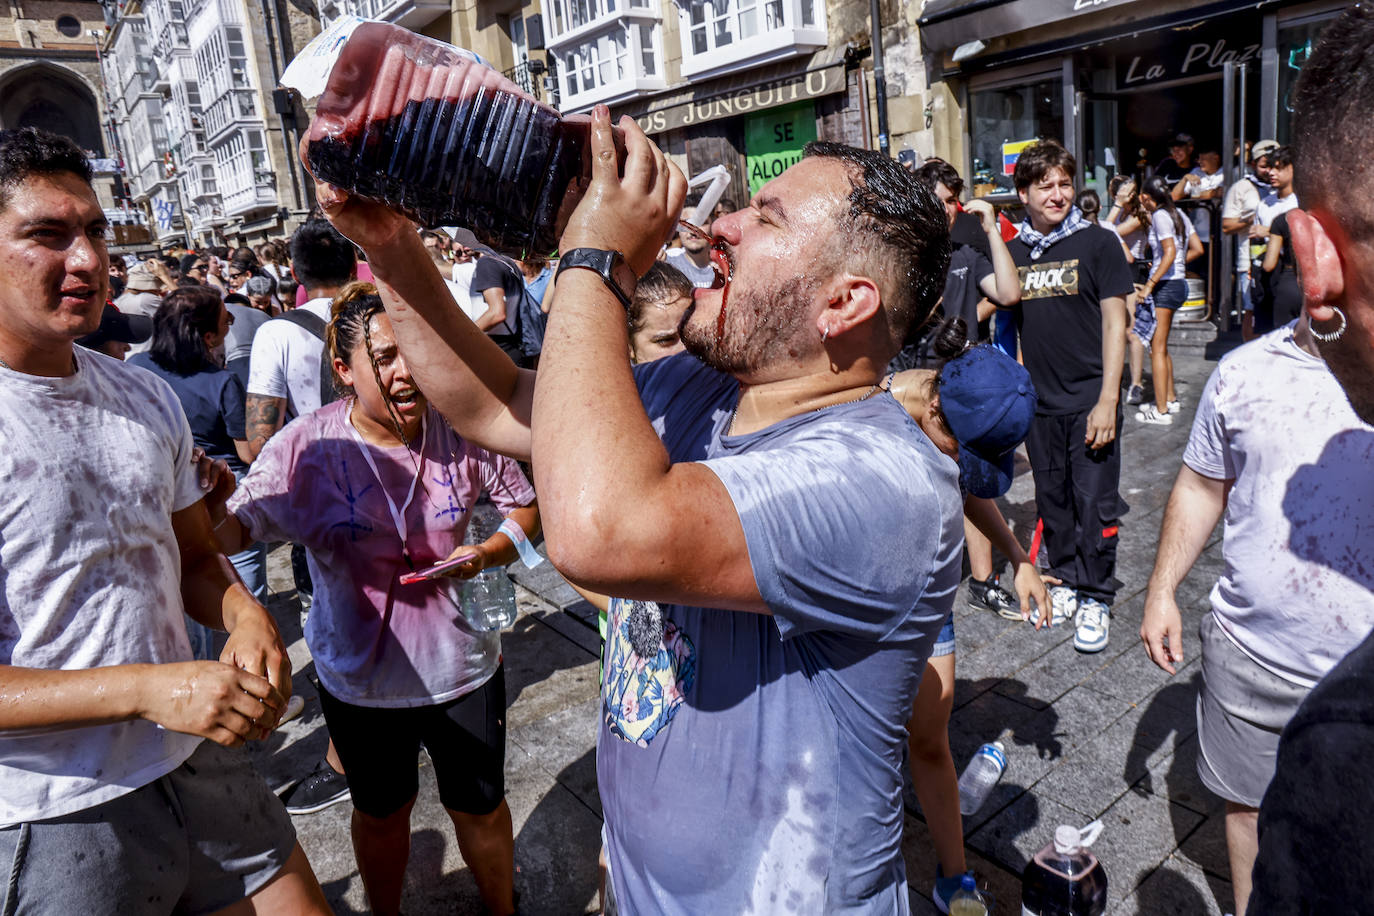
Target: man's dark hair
(30, 151)
(1332, 128)
(190, 260)
(321, 256)
(898, 216)
(663, 283)
(1038, 160)
(1280, 157)
(938, 171)
(185, 314)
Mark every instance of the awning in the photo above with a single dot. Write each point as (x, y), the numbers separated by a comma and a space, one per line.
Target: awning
(946, 24)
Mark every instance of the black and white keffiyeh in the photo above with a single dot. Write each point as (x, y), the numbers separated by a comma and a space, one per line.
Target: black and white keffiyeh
(1039, 242)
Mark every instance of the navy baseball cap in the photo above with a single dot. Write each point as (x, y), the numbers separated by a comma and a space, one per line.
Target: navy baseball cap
(988, 402)
(116, 325)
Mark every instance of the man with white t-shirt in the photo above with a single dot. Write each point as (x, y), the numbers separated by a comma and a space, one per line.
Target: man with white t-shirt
(1278, 200)
(111, 802)
(284, 369)
(694, 257)
(1238, 211)
(1278, 449)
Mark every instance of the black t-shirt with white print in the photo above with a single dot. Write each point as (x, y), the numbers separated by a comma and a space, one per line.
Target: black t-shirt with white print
(1060, 315)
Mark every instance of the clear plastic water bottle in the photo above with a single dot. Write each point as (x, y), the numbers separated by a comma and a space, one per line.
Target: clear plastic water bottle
(980, 776)
(967, 901)
(489, 600)
(1065, 878)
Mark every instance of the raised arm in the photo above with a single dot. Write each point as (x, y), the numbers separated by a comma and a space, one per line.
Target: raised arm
(1194, 508)
(477, 388)
(1004, 290)
(618, 516)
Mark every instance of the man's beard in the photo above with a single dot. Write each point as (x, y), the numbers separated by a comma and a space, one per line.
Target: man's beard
(760, 329)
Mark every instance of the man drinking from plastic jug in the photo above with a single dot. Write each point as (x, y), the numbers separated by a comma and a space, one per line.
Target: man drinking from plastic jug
(789, 537)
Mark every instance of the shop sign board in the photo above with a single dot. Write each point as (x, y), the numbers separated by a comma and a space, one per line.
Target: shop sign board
(774, 141)
(1011, 151)
(812, 84)
(1167, 60)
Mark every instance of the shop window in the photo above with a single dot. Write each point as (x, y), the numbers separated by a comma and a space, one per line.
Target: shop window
(614, 63)
(1002, 117)
(1295, 44)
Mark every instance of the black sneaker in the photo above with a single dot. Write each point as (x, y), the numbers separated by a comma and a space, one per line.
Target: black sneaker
(319, 790)
(989, 596)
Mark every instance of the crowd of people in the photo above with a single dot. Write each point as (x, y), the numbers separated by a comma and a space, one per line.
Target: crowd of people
(762, 451)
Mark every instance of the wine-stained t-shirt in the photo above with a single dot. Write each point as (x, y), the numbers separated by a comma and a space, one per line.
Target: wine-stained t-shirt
(750, 763)
(377, 642)
(92, 469)
(1298, 542)
(1060, 314)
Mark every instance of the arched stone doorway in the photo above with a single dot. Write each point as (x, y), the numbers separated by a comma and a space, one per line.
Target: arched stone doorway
(53, 99)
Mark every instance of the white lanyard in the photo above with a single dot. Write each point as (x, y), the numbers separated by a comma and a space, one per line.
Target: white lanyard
(398, 516)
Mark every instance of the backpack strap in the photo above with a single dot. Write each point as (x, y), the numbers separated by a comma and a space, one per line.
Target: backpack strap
(316, 326)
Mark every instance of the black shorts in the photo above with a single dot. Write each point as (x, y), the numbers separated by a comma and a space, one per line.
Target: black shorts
(466, 739)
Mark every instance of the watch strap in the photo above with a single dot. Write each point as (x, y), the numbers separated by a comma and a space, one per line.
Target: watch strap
(602, 262)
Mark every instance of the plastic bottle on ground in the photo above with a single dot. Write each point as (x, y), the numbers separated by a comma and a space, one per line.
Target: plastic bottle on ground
(1065, 878)
(980, 776)
(967, 901)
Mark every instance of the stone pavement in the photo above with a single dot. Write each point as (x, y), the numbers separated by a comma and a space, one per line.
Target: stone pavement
(1087, 736)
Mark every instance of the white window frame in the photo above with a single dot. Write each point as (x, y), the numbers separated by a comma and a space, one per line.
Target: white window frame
(788, 38)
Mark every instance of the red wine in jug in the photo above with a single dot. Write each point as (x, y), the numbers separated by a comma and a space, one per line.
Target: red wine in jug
(1065, 878)
(431, 131)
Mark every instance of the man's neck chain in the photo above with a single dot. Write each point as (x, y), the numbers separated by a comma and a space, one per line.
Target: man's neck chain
(6, 365)
(882, 382)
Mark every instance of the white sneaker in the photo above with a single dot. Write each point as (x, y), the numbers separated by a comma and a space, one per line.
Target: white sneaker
(1175, 406)
(1091, 623)
(1063, 604)
(1149, 413)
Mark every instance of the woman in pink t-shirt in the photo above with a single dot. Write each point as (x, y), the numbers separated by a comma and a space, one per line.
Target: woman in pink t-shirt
(375, 486)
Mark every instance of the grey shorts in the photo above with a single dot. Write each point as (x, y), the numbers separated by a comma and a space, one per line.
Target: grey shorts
(1241, 710)
(206, 835)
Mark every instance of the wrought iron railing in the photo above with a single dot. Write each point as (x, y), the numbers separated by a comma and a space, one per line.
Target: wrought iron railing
(536, 77)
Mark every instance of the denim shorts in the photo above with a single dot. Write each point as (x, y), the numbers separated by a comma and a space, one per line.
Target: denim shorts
(944, 643)
(206, 835)
(1171, 294)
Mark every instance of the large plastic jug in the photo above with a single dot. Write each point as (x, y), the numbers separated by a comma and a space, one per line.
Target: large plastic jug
(1065, 878)
(432, 131)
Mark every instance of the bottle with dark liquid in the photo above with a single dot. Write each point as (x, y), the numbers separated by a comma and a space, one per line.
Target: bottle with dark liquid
(1065, 878)
(433, 132)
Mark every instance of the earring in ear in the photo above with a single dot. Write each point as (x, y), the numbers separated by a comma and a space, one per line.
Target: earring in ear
(825, 335)
(1329, 336)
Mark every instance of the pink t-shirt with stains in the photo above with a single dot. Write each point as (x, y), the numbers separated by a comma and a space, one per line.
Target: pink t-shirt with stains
(1297, 591)
(376, 642)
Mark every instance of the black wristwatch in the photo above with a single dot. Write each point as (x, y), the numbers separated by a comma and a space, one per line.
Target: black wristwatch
(609, 265)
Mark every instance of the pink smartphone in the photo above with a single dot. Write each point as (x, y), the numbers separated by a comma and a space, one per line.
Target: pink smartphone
(438, 569)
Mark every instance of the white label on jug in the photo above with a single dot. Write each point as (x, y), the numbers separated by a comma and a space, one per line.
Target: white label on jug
(308, 74)
(1026, 912)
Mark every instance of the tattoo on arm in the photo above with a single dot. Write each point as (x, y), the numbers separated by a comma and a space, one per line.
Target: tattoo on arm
(263, 419)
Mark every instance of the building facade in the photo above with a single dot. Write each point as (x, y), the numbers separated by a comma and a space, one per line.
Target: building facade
(208, 147)
(50, 78)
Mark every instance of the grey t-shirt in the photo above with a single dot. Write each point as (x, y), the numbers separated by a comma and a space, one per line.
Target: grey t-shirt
(751, 763)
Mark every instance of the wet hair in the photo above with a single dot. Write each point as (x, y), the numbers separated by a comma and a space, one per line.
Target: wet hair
(1038, 160)
(321, 256)
(897, 217)
(662, 283)
(350, 327)
(1157, 189)
(186, 313)
(30, 151)
(1089, 203)
(939, 171)
(1332, 130)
